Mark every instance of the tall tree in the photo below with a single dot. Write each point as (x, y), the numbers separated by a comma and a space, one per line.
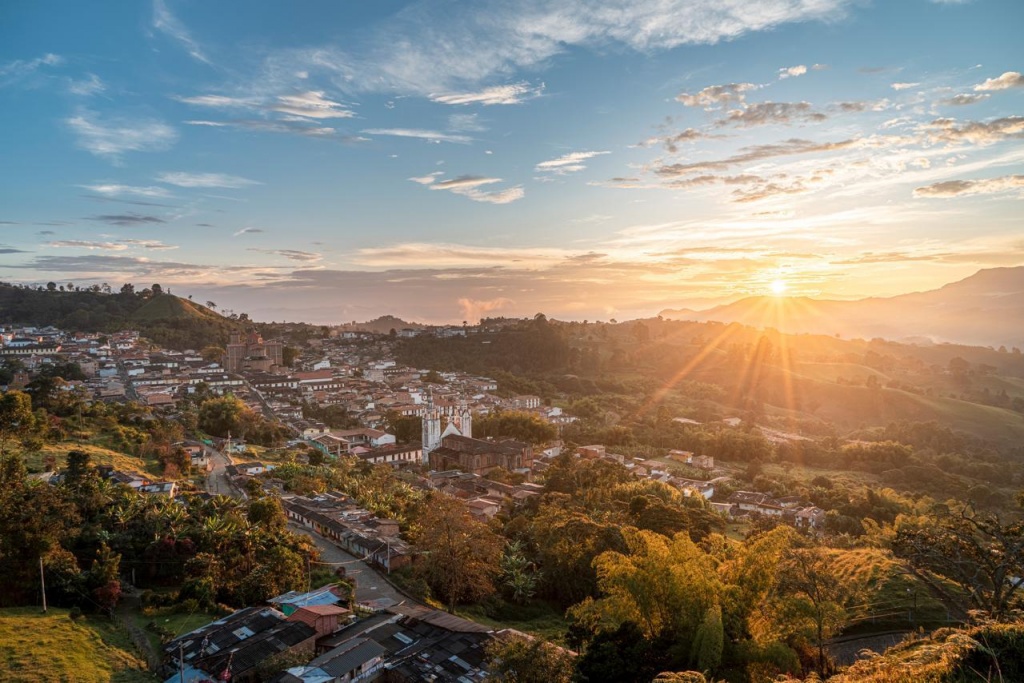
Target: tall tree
(811, 593)
(16, 418)
(462, 554)
(980, 552)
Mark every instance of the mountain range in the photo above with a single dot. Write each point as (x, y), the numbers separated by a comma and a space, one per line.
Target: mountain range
(985, 309)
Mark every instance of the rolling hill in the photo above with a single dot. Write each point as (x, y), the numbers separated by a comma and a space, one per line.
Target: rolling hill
(985, 309)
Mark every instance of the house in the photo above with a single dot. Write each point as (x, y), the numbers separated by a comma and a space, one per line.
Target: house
(233, 647)
(811, 517)
(356, 659)
(291, 601)
(483, 509)
(352, 528)
(404, 643)
(325, 619)
(751, 501)
(393, 455)
(689, 486)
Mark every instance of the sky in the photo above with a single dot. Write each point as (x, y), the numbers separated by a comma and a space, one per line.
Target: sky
(331, 161)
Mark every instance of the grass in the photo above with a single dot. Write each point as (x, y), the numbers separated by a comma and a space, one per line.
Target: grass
(539, 618)
(52, 647)
(887, 589)
(976, 655)
(36, 461)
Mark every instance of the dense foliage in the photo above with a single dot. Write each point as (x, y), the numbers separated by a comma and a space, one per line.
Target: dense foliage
(167, 320)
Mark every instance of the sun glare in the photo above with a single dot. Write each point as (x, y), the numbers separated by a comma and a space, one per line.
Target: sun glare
(778, 287)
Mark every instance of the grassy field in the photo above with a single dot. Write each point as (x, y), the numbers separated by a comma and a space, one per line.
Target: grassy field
(888, 590)
(35, 462)
(541, 619)
(176, 623)
(36, 647)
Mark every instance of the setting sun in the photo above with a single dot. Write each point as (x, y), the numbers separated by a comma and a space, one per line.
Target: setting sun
(778, 287)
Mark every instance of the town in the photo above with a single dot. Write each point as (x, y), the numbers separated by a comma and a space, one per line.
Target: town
(343, 397)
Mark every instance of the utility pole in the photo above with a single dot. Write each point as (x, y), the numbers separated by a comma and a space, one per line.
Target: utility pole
(42, 582)
(181, 661)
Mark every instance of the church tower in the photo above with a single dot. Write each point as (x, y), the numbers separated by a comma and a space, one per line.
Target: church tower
(431, 436)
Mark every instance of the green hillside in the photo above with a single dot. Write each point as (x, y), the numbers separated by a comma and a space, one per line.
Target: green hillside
(166, 319)
(169, 307)
(52, 647)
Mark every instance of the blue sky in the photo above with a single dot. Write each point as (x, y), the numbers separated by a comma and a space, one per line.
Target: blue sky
(331, 161)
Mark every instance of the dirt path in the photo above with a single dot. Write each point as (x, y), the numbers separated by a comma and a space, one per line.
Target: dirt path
(124, 616)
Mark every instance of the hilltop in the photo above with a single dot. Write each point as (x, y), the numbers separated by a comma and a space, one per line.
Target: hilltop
(164, 318)
(382, 325)
(985, 309)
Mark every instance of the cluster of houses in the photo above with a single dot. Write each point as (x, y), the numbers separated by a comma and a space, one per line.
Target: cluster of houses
(791, 509)
(400, 643)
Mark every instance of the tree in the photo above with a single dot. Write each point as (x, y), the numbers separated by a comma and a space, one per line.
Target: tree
(213, 354)
(16, 417)
(462, 554)
(518, 659)
(980, 552)
(222, 415)
(157, 290)
(518, 574)
(812, 592)
(708, 645)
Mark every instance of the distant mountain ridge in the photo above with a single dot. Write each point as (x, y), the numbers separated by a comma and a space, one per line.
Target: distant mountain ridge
(985, 309)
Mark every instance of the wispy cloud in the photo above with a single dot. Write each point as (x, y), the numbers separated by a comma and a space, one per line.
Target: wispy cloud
(12, 72)
(118, 190)
(716, 95)
(412, 254)
(111, 139)
(428, 135)
(904, 86)
(1010, 79)
(466, 123)
(426, 51)
(957, 188)
(165, 22)
(765, 113)
(90, 85)
(290, 254)
(671, 141)
(183, 179)
(87, 244)
(311, 104)
(793, 71)
(152, 245)
(469, 186)
(500, 94)
(567, 163)
(247, 231)
(965, 99)
(127, 219)
(794, 146)
(977, 132)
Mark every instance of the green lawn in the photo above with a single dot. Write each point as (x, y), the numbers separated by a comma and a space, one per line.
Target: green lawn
(541, 619)
(36, 647)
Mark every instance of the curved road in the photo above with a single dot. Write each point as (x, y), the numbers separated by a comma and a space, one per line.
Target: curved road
(370, 585)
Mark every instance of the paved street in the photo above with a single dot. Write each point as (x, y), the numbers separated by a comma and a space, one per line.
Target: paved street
(369, 584)
(217, 478)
